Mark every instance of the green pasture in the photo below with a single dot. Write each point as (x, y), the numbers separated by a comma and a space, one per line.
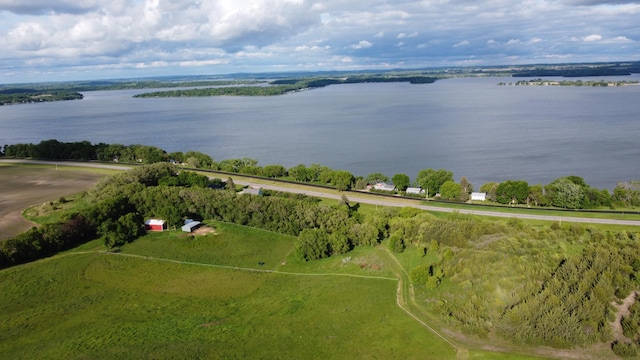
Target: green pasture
(91, 304)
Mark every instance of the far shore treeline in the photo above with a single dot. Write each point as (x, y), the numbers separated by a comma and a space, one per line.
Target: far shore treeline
(26, 96)
(569, 192)
(285, 86)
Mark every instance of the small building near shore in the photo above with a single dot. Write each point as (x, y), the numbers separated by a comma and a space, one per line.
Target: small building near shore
(155, 225)
(190, 225)
(415, 191)
(384, 187)
(478, 196)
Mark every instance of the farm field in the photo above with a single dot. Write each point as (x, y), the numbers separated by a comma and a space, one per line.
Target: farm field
(23, 186)
(86, 303)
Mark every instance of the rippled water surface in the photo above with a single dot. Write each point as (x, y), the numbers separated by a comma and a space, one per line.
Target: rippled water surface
(470, 126)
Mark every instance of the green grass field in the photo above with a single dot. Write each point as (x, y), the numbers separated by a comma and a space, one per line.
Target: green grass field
(89, 304)
(237, 292)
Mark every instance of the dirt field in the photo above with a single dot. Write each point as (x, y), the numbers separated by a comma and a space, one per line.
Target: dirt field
(23, 186)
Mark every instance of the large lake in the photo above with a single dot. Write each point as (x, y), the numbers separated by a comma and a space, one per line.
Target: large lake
(470, 126)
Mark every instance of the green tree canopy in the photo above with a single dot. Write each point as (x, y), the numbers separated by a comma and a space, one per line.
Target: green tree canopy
(432, 179)
(401, 181)
(450, 190)
(375, 178)
(512, 190)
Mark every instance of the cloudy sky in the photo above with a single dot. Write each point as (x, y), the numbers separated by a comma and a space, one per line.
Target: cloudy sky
(99, 39)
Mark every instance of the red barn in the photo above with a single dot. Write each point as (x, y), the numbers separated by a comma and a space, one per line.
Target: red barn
(155, 225)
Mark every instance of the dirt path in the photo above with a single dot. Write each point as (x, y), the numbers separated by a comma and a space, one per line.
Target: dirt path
(622, 310)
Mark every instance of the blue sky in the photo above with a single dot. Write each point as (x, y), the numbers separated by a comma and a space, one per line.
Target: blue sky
(53, 40)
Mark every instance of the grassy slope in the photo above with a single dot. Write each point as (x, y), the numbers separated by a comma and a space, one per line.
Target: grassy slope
(96, 305)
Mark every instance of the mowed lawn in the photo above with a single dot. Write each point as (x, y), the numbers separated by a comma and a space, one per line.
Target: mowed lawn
(22, 186)
(163, 297)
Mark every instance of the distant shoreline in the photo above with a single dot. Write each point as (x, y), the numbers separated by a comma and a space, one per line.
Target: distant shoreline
(600, 83)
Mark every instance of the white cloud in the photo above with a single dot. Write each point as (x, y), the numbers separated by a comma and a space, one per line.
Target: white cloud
(622, 39)
(594, 37)
(67, 36)
(362, 44)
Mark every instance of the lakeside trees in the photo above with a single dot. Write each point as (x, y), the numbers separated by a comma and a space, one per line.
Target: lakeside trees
(431, 179)
(401, 181)
(570, 192)
(25, 96)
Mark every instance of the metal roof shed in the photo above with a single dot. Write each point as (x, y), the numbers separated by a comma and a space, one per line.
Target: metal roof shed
(189, 227)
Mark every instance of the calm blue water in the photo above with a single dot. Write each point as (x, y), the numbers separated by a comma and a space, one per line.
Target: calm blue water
(470, 126)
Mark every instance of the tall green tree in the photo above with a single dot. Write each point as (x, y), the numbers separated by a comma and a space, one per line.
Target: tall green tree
(197, 159)
(490, 189)
(512, 191)
(566, 194)
(466, 188)
(299, 173)
(450, 190)
(342, 180)
(537, 196)
(401, 181)
(375, 178)
(432, 179)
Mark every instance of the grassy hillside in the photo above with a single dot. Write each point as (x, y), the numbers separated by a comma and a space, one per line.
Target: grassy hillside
(89, 304)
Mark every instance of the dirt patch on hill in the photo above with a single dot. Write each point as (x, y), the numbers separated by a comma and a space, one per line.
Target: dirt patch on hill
(25, 186)
(203, 230)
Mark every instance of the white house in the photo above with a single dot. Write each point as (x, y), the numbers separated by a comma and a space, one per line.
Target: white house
(478, 196)
(252, 191)
(384, 186)
(415, 191)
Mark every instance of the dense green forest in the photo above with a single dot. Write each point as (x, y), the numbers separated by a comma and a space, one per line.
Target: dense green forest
(550, 285)
(24, 96)
(284, 86)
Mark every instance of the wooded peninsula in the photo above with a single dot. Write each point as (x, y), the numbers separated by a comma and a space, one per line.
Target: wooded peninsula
(27, 96)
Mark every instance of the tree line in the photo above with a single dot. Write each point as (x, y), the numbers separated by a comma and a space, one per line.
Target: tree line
(284, 86)
(25, 96)
(569, 192)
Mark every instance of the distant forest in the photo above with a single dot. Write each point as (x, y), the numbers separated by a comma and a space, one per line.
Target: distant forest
(24, 96)
(284, 86)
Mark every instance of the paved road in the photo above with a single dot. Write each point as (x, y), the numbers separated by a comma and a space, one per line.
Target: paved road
(354, 197)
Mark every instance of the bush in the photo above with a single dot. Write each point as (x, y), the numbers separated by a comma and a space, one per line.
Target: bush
(624, 349)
